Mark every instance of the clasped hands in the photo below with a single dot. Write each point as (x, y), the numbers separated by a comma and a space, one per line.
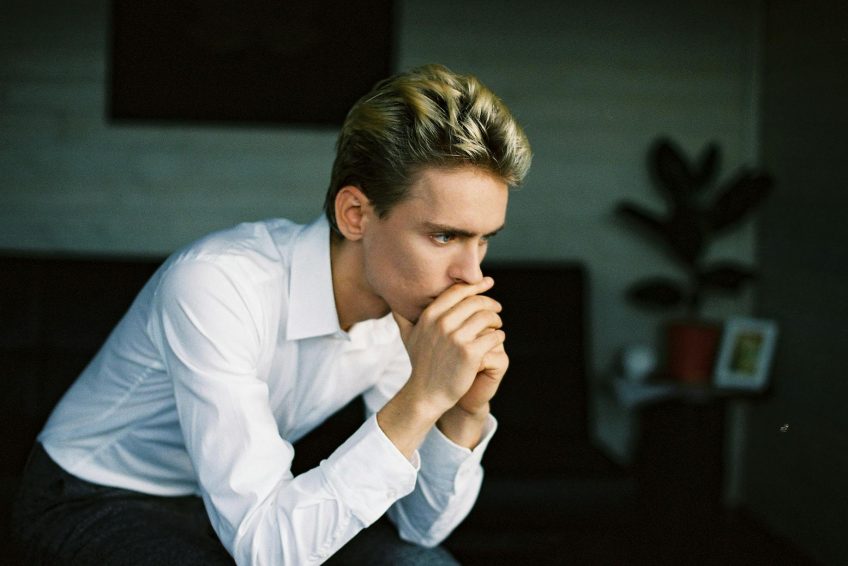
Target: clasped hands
(458, 358)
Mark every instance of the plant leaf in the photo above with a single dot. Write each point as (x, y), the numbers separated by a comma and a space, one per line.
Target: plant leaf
(707, 167)
(671, 171)
(641, 217)
(740, 196)
(686, 235)
(726, 276)
(656, 292)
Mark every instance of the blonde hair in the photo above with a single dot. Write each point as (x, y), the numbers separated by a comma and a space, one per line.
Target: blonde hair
(425, 117)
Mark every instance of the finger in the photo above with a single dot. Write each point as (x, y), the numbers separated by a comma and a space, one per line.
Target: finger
(476, 324)
(485, 343)
(468, 307)
(487, 330)
(456, 293)
(497, 349)
(494, 361)
(404, 326)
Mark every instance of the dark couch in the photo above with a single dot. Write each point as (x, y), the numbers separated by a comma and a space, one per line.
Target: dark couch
(546, 484)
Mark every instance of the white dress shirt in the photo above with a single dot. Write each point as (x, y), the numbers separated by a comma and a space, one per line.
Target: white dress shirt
(229, 354)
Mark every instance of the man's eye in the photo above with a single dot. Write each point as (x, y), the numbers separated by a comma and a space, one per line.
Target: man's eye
(442, 238)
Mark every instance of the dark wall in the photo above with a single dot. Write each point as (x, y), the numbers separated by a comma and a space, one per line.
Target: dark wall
(798, 479)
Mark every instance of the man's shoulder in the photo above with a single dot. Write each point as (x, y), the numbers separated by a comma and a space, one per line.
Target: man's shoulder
(262, 236)
(249, 241)
(250, 252)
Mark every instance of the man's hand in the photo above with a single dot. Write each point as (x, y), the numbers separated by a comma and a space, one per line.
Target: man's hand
(458, 360)
(452, 344)
(464, 422)
(485, 385)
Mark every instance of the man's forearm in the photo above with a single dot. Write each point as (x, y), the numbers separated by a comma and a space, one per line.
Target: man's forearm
(406, 419)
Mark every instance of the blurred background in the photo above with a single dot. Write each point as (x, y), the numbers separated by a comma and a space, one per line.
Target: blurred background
(594, 83)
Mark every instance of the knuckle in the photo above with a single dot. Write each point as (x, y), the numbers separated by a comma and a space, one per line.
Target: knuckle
(456, 339)
(443, 326)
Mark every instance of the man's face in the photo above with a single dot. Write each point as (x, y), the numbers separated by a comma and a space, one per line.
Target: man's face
(435, 237)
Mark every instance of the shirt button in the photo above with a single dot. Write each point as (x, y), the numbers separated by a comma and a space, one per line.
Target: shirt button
(391, 494)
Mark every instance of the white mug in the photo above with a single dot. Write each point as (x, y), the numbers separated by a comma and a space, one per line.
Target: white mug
(638, 361)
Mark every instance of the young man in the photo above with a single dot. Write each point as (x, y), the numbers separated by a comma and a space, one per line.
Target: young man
(247, 339)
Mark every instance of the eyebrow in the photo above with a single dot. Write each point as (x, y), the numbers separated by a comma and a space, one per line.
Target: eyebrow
(442, 228)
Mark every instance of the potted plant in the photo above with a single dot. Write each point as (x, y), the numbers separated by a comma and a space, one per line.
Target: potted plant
(698, 211)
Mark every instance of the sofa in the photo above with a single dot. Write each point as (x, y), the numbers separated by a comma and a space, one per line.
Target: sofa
(546, 484)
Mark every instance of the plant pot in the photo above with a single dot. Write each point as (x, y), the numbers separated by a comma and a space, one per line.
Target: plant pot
(691, 350)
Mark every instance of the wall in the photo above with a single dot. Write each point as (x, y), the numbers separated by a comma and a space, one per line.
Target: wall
(593, 82)
(797, 480)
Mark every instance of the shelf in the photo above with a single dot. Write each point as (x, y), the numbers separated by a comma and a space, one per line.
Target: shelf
(635, 394)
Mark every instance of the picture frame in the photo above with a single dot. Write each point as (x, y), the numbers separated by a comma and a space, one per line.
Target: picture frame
(246, 63)
(746, 352)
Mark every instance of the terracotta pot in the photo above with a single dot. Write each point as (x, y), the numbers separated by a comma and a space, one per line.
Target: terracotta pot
(691, 350)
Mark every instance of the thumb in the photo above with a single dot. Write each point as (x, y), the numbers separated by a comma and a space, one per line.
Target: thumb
(404, 325)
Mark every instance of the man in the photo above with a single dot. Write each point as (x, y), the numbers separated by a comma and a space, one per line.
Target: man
(247, 339)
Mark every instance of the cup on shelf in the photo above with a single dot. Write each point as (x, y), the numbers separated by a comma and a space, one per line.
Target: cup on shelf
(638, 362)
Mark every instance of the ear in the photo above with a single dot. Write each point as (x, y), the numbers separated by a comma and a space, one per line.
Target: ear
(351, 212)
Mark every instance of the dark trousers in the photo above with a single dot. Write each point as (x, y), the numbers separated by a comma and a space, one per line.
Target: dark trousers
(61, 519)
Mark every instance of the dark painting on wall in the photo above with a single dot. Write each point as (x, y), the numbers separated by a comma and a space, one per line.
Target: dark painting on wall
(246, 61)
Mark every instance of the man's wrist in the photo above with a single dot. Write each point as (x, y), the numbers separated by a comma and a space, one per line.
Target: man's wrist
(463, 427)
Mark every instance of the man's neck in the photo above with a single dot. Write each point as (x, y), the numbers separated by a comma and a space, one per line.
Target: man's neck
(355, 301)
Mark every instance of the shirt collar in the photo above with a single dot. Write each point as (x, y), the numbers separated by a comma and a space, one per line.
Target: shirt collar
(312, 304)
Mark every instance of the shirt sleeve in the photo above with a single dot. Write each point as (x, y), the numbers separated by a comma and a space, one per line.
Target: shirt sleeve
(449, 478)
(206, 325)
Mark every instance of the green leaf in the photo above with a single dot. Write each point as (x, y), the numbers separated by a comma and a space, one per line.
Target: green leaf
(656, 292)
(739, 197)
(708, 167)
(640, 217)
(670, 169)
(726, 276)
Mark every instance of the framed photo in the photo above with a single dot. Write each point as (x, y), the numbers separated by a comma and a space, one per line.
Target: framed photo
(747, 348)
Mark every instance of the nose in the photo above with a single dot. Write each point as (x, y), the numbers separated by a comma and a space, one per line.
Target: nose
(466, 265)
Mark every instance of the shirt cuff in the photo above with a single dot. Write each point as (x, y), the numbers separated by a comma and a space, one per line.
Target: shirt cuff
(444, 463)
(369, 473)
